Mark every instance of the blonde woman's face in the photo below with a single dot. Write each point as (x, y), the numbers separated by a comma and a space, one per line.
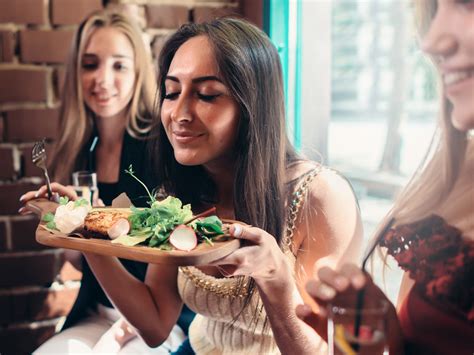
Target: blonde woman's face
(450, 39)
(108, 73)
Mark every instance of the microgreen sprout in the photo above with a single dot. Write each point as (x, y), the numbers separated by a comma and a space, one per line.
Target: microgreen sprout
(132, 174)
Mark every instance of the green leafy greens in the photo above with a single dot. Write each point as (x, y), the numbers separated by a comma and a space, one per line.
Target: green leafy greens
(153, 225)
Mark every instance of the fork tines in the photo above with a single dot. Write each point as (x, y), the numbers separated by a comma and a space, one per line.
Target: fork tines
(39, 152)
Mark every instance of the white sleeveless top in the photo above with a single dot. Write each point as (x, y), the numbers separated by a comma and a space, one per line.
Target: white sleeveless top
(220, 325)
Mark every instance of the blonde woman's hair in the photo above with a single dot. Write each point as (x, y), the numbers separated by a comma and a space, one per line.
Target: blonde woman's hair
(76, 119)
(438, 172)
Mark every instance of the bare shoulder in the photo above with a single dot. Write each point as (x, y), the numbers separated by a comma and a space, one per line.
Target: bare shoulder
(329, 187)
(332, 230)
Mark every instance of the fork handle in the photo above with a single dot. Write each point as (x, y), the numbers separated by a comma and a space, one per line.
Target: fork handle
(51, 196)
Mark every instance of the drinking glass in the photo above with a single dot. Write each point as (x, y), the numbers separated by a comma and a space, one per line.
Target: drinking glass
(370, 324)
(85, 184)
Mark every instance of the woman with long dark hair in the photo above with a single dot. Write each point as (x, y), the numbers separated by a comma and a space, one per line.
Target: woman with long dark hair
(222, 143)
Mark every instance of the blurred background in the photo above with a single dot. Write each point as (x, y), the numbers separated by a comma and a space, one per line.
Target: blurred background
(360, 98)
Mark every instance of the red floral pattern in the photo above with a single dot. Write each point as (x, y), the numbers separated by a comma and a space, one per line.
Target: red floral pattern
(439, 260)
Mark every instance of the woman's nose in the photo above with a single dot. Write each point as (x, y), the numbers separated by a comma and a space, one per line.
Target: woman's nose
(104, 77)
(440, 40)
(182, 110)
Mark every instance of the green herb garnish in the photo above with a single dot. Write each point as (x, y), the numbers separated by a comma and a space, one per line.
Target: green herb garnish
(63, 200)
(81, 202)
(49, 219)
(153, 225)
(132, 174)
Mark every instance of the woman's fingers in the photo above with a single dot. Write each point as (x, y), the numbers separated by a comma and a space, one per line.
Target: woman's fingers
(355, 276)
(252, 234)
(57, 188)
(64, 190)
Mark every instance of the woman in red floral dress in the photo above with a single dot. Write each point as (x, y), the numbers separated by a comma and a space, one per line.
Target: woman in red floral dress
(430, 229)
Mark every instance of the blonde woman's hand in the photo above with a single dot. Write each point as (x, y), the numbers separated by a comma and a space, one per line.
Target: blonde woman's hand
(42, 192)
(342, 288)
(115, 338)
(259, 257)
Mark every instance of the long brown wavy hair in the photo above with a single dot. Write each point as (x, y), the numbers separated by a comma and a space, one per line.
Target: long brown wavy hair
(76, 119)
(250, 67)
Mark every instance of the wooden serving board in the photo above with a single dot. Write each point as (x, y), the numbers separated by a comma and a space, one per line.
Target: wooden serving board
(201, 255)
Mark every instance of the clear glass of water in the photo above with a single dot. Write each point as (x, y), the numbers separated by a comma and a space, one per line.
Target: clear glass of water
(85, 184)
(358, 331)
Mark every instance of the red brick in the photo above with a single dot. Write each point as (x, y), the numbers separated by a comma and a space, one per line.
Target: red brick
(253, 11)
(23, 234)
(43, 46)
(10, 194)
(2, 127)
(20, 84)
(36, 303)
(207, 13)
(134, 11)
(28, 268)
(7, 170)
(157, 44)
(58, 81)
(25, 338)
(3, 236)
(31, 125)
(28, 169)
(7, 43)
(167, 16)
(67, 12)
(32, 12)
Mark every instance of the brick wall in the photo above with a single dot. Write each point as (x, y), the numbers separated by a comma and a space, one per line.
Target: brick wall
(37, 287)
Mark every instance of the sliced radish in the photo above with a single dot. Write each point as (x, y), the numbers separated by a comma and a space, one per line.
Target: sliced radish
(120, 227)
(183, 238)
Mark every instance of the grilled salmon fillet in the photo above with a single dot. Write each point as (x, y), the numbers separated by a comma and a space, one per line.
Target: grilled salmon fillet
(99, 220)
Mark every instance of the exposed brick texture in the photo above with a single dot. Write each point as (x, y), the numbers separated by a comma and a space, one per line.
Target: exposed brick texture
(22, 339)
(67, 12)
(24, 84)
(23, 234)
(28, 268)
(28, 169)
(7, 42)
(31, 125)
(166, 16)
(33, 12)
(135, 11)
(37, 285)
(206, 13)
(59, 79)
(36, 303)
(10, 194)
(3, 236)
(6, 157)
(41, 46)
(157, 44)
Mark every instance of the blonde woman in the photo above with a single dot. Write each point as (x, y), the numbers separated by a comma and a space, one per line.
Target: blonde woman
(430, 230)
(107, 101)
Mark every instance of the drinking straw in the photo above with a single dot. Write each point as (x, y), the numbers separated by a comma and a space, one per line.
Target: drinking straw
(91, 152)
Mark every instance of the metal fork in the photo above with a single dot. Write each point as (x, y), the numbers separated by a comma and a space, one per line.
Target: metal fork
(38, 156)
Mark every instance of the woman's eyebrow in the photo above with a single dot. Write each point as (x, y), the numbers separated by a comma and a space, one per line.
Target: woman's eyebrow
(196, 80)
(119, 56)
